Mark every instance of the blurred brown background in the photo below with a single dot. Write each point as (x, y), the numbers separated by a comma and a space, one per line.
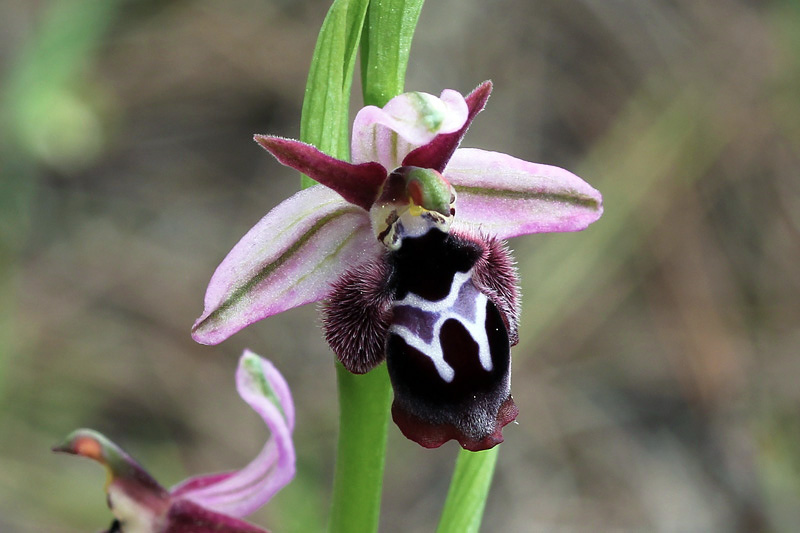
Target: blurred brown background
(657, 374)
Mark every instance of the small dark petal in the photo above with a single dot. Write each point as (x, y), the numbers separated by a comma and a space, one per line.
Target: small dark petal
(357, 314)
(358, 184)
(496, 276)
(438, 152)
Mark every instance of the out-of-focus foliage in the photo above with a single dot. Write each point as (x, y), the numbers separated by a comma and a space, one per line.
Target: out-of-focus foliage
(658, 365)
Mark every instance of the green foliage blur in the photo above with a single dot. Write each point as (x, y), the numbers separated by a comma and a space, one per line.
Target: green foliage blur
(657, 373)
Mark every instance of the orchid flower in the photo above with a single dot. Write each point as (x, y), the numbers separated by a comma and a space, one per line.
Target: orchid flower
(404, 244)
(206, 503)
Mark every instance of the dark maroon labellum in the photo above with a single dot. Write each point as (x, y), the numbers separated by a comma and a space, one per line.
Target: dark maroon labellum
(448, 350)
(442, 309)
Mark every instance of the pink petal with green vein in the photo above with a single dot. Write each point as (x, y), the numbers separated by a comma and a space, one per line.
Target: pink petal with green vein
(289, 258)
(242, 492)
(505, 196)
(405, 123)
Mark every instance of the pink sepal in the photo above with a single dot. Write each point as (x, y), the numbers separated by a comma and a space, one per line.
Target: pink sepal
(289, 258)
(504, 196)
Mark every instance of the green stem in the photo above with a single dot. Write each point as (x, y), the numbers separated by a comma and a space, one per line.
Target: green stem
(326, 106)
(364, 400)
(384, 29)
(469, 488)
(364, 416)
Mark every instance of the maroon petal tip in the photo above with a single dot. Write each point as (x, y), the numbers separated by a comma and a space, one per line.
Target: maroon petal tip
(476, 100)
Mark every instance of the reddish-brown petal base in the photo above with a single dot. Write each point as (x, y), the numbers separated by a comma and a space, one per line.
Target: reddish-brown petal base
(187, 517)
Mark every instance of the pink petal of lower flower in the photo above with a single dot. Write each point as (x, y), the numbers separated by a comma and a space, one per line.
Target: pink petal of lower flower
(290, 258)
(506, 197)
(240, 493)
(405, 123)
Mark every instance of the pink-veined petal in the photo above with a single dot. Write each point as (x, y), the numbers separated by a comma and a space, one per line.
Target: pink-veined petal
(289, 258)
(505, 196)
(405, 123)
(242, 492)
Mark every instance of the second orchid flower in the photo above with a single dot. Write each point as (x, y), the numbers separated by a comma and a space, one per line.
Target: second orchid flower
(206, 503)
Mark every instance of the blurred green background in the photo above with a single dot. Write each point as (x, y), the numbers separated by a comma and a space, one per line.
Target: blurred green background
(657, 376)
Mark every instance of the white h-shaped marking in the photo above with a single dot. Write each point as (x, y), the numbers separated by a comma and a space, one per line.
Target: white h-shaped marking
(444, 310)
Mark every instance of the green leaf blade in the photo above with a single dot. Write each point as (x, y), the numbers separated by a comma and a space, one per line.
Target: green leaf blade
(469, 488)
(385, 48)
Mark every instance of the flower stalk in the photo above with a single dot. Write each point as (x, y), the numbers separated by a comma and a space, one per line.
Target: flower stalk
(364, 402)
